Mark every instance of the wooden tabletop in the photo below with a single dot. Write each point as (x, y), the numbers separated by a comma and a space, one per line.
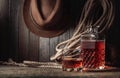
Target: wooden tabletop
(49, 72)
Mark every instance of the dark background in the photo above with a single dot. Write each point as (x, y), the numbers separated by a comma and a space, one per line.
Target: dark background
(18, 43)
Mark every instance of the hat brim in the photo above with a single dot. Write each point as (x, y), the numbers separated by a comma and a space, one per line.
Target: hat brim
(32, 26)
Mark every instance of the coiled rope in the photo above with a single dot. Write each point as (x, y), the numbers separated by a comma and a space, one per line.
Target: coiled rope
(94, 13)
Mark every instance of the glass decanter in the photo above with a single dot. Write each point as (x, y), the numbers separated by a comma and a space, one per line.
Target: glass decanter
(92, 49)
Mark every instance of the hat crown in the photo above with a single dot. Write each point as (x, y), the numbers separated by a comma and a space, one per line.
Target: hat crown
(46, 7)
(46, 18)
(44, 12)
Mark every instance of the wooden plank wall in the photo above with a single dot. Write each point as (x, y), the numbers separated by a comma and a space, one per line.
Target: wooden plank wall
(18, 43)
(25, 45)
(4, 13)
(113, 38)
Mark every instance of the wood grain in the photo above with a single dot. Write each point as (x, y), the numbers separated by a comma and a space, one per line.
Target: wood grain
(19, 43)
(4, 29)
(23, 35)
(44, 49)
(33, 53)
(53, 43)
(47, 72)
(13, 25)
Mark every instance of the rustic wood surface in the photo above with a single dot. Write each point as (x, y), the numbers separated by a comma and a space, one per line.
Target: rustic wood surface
(47, 72)
(18, 43)
(4, 29)
(25, 45)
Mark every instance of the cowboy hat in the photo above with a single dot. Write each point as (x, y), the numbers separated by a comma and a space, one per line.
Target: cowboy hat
(46, 18)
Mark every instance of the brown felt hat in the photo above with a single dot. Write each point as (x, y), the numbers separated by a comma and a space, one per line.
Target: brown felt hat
(46, 18)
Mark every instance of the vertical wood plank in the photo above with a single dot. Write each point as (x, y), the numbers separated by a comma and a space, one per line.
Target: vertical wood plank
(53, 43)
(33, 54)
(44, 49)
(113, 39)
(4, 22)
(64, 36)
(23, 35)
(71, 31)
(13, 28)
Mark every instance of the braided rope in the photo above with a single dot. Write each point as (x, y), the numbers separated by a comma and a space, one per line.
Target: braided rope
(94, 13)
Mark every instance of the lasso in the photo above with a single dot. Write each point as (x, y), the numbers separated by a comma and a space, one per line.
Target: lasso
(94, 13)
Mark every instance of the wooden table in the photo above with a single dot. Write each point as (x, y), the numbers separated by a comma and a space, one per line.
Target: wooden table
(49, 72)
